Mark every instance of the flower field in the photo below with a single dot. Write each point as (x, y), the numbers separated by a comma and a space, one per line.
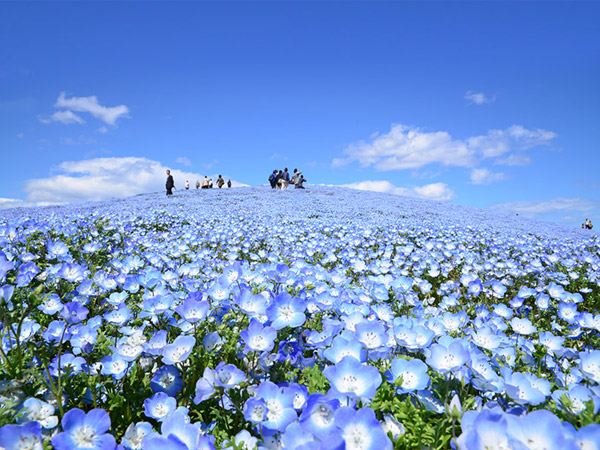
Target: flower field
(320, 319)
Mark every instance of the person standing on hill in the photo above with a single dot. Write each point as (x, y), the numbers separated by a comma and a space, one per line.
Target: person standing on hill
(220, 182)
(170, 183)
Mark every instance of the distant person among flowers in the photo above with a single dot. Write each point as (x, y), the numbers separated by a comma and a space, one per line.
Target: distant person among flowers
(187, 185)
(210, 183)
(300, 182)
(220, 181)
(587, 224)
(286, 177)
(197, 184)
(296, 177)
(229, 183)
(170, 183)
(273, 179)
(205, 182)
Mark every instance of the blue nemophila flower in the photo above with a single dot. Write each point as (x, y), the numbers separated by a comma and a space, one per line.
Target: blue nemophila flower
(342, 347)
(567, 312)
(167, 380)
(51, 305)
(58, 250)
(205, 386)
(84, 431)
(179, 350)
(159, 406)
(486, 338)
(408, 374)
(361, 430)
(258, 338)
(119, 316)
(243, 440)
(448, 358)
(295, 437)
(539, 429)
(193, 310)
(525, 388)
(74, 312)
(575, 398)
(350, 378)
(21, 437)
(5, 266)
(27, 273)
(177, 432)
(38, 411)
(286, 311)
(228, 376)
(371, 334)
(73, 273)
(157, 343)
(522, 326)
(134, 435)
(114, 365)
(66, 363)
(589, 363)
(318, 416)
(255, 410)
(280, 406)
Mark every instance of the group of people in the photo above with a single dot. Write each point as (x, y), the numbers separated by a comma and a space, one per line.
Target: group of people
(207, 183)
(281, 179)
(587, 224)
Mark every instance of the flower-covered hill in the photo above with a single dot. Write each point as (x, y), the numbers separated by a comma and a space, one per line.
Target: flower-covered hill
(324, 318)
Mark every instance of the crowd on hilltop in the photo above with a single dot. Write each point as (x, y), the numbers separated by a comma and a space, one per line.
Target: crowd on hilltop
(207, 183)
(281, 179)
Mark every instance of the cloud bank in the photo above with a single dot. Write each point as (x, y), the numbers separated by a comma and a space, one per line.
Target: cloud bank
(104, 178)
(405, 147)
(478, 98)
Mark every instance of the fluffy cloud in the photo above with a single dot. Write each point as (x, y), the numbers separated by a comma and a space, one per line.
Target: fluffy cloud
(516, 159)
(484, 176)
(66, 117)
(478, 98)
(103, 178)
(183, 160)
(407, 147)
(91, 105)
(435, 191)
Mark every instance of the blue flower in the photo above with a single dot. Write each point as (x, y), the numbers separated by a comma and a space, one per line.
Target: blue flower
(286, 311)
(318, 415)
(167, 380)
(361, 430)
(350, 378)
(342, 347)
(17, 437)
(409, 375)
(179, 350)
(589, 363)
(193, 310)
(84, 431)
(448, 359)
(258, 338)
(280, 406)
(38, 411)
(159, 406)
(74, 312)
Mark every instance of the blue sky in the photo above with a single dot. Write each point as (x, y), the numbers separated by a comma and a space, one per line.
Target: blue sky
(484, 104)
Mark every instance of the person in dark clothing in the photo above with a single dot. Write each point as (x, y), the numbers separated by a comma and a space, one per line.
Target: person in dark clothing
(229, 183)
(272, 179)
(170, 183)
(286, 176)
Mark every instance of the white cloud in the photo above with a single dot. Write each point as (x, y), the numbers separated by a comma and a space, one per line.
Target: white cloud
(103, 178)
(407, 147)
(20, 135)
(479, 98)
(556, 205)
(66, 117)
(18, 203)
(516, 159)
(183, 160)
(435, 191)
(484, 176)
(91, 105)
(102, 130)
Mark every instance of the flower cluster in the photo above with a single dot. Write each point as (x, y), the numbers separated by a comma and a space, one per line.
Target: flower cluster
(326, 319)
